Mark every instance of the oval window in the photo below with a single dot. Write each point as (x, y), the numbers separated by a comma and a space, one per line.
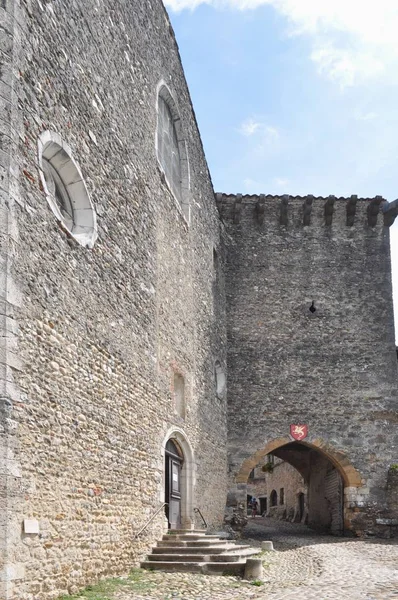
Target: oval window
(65, 189)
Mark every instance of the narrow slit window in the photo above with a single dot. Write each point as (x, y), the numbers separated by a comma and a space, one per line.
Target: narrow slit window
(179, 394)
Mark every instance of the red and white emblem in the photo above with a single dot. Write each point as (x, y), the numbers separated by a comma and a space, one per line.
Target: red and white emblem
(299, 432)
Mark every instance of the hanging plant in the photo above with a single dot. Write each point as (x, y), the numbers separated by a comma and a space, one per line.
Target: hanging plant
(267, 468)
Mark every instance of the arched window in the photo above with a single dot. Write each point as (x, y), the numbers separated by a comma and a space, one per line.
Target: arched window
(65, 189)
(171, 149)
(273, 499)
(173, 448)
(168, 150)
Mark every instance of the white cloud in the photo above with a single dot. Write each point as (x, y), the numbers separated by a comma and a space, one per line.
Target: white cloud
(265, 140)
(370, 116)
(249, 127)
(353, 41)
(271, 133)
(250, 185)
(346, 67)
(280, 182)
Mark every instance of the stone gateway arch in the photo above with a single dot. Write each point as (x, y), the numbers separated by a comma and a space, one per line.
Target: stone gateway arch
(334, 485)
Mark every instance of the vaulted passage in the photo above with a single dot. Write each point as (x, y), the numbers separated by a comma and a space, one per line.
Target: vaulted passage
(324, 486)
(299, 483)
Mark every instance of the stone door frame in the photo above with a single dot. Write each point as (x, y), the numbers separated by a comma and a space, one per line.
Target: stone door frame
(188, 475)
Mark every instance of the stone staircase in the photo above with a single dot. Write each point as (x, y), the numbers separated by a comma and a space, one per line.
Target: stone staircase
(194, 551)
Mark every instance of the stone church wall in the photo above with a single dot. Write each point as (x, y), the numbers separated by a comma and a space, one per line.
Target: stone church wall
(103, 331)
(334, 369)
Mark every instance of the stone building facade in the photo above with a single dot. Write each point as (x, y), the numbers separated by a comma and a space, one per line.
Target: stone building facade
(122, 292)
(104, 317)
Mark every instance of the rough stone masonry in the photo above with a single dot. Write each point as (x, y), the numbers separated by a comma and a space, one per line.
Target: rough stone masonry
(93, 340)
(88, 379)
(311, 341)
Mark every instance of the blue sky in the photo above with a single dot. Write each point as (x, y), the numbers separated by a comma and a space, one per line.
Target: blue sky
(295, 96)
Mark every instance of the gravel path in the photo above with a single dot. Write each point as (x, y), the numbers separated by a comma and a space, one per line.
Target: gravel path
(305, 566)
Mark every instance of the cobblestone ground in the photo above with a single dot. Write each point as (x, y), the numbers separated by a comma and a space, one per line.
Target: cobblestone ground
(305, 566)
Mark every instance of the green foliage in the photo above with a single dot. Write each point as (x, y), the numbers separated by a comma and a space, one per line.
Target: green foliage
(267, 468)
(257, 582)
(262, 554)
(105, 589)
(394, 467)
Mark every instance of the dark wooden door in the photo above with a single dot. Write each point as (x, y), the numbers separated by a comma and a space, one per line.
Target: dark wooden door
(173, 485)
(301, 506)
(263, 505)
(334, 497)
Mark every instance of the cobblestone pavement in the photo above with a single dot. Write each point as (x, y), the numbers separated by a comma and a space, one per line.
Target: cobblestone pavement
(305, 566)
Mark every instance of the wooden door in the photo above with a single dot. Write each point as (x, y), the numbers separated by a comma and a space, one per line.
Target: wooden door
(173, 485)
(263, 505)
(301, 506)
(334, 497)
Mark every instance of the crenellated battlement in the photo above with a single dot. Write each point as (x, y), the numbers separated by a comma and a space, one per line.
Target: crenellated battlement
(306, 210)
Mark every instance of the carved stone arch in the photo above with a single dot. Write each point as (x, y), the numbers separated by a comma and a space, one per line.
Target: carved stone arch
(188, 474)
(353, 492)
(351, 476)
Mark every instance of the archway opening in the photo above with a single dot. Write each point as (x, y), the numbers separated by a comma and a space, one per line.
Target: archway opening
(276, 484)
(302, 484)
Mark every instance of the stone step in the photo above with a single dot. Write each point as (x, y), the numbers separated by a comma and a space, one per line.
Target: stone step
(207, 568)
(198, 543)
(190, 536)
(213, 549)
(194, 557)
(182, 531)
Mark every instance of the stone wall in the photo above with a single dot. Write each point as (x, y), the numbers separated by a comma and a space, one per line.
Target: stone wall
(11, 485)
(333, 369)
(102, 332)
(389, 524)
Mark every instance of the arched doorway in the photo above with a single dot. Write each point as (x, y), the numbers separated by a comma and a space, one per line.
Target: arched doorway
(173, 465)
(263, 505)
(178, 479)
(326, 474)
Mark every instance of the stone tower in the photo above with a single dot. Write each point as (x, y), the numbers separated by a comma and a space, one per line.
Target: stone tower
(311, 342)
